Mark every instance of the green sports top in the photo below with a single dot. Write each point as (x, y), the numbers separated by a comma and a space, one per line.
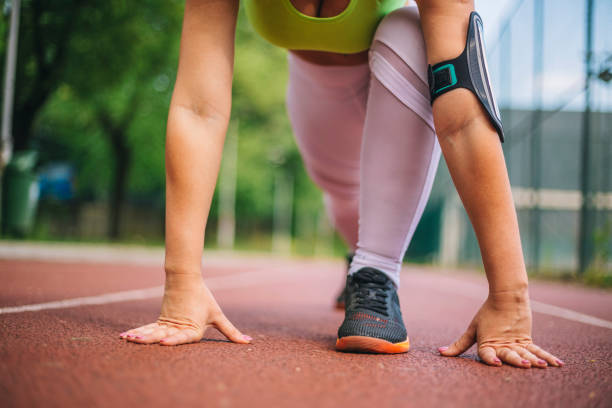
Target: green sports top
(351, 31)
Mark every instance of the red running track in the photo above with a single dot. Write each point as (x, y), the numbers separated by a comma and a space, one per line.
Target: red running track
(72, 356)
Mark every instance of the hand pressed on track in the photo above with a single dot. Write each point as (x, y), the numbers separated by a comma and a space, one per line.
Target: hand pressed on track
(188, 309)
(502, 330)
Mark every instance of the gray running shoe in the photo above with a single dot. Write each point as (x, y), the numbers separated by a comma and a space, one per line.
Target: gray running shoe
(373, 320)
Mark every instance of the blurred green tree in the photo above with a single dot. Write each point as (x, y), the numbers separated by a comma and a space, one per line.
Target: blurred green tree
(124, 59)
(45, 32)
(102, 60)
(109, 70)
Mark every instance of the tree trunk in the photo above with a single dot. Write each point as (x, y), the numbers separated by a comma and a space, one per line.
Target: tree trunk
(22, 127)
(41, 65)
(122, 161)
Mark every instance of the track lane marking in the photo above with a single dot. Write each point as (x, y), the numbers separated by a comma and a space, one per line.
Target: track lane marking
(569, 314)
(214, 283)
(479, 292)
(106, 298)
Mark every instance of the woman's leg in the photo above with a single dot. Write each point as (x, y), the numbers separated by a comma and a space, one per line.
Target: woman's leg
(326, 106)
(400, 156)
(400, 152)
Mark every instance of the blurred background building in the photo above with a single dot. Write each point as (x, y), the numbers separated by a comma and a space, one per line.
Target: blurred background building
(93, 84)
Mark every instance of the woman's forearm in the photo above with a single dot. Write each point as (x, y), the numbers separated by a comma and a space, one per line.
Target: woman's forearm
(473, 152)
(197, 122)
(194, 146)
(476, 163)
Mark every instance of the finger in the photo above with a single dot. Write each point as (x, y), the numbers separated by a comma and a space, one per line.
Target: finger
(183, 336)
(527, 355)
(512, 357)
(125, 334)
(154, 335)
(230, 331)
(465, 342)
(545, 355)
(140, 333)
(138, 337)
(133, 332)
(489, 356)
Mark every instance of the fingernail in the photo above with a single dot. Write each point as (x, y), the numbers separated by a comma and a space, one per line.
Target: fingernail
(247, 338)
(163, 340)
(497, 360)
(525, 362)
(138, 337)
(122, 334)
(559, 362)
(442, 349)
(542, 362)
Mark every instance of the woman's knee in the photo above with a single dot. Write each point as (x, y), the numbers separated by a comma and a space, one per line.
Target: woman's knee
(399, 62)
(400, 31)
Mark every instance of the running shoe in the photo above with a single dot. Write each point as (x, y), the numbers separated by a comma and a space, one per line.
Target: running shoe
(373, 321)
(341, 299)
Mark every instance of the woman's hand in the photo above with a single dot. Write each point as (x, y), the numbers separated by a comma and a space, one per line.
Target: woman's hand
(188, 309)
(502, 329)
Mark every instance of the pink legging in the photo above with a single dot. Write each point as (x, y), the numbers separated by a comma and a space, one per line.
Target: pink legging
(367, 138)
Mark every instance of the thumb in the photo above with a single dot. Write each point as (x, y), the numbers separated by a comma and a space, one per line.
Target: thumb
(230, 331)
(465, 342)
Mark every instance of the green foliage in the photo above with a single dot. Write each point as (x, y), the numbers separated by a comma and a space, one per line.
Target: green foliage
(599, 272)
(120, 63)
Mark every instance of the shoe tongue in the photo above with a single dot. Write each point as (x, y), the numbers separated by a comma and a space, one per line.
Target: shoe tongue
(365, 275)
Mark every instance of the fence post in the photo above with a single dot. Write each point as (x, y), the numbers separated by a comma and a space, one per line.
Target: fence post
(536, 138)
(226, 231)
(6, 142)
(283, 211)
(584, 237)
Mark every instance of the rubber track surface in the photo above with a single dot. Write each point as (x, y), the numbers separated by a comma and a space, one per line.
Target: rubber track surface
(73, 358)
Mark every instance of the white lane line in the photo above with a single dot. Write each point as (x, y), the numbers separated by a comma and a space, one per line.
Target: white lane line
(88, 300)
(568, 314)
(214, 283)
(479, 292)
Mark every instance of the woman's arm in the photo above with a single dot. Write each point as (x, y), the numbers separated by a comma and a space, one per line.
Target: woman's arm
(197, 122)
(473, 152)
(476, 163)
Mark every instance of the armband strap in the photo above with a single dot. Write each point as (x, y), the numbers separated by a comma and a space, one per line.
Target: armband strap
(469, 70)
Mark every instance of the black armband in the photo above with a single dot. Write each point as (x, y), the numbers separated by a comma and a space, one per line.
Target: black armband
(469, 70)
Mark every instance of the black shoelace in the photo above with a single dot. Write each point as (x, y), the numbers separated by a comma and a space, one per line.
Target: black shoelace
(371, 291)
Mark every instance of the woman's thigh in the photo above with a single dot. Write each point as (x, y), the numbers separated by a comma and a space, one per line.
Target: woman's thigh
(326, 106)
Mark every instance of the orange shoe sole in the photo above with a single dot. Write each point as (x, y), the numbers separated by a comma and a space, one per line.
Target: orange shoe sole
(362, 344)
